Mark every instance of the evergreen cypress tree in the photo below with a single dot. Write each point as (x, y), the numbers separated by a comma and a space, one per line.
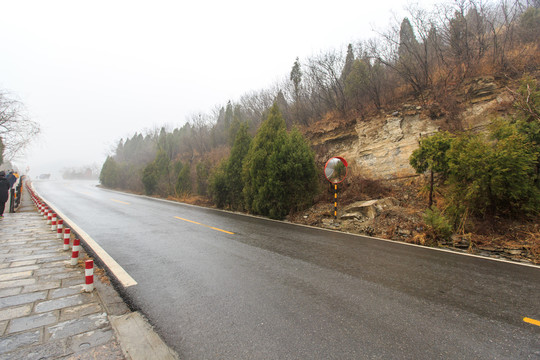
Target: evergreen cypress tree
(279, 170)
(228, 115)
(234, 167)
(407, 40)
(432, 155)
(203, 171)
(298, 173)
(349, 60)
(183, 182)
(150, 178)
(109, 173)
(296, 78)
(260, 183)
(218, 186)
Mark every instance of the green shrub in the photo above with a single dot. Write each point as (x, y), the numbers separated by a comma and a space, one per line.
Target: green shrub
(494, 177)
(150, 178)
(438, 224)
(218, 186)
(183, 182)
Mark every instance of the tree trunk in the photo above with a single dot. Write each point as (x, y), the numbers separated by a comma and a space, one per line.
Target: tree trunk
(431, 181)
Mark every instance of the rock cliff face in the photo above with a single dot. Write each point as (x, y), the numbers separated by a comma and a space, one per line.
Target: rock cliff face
(385, 143)
(379, 147)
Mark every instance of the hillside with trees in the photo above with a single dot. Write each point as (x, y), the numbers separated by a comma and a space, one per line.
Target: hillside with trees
(474, 187)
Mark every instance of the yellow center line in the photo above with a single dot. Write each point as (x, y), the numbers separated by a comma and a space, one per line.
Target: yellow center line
(191, 221)
(211, 227)
(531, 321)
(225, 231)
(121, 202)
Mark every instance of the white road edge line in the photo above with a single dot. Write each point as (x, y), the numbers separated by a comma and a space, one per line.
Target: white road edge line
(123, 277)
(331, 230)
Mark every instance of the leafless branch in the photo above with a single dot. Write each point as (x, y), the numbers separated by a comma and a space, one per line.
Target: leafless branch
(16, 128)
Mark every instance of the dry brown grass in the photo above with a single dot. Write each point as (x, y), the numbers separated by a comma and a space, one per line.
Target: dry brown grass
(193, 200)
(418, 239)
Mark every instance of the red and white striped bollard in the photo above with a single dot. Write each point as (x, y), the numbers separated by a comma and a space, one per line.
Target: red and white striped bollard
(89, 273)
(75, 252)
(59, 228)
(67, 235)
(53, 222)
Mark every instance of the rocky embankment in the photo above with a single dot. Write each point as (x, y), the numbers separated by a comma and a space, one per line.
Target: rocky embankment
(379, 148)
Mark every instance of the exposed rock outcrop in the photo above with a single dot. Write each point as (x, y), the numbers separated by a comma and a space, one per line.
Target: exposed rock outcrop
(364, 210)
(385, 143)
(481, 89)
(379, 147)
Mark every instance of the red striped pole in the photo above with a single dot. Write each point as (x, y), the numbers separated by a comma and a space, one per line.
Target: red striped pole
(59, 228)
(89, 273)
(53, 222)
(75, 252)
(49, 218)
(67, 234)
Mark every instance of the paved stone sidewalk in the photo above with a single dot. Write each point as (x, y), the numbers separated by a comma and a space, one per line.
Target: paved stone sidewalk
(44, 311)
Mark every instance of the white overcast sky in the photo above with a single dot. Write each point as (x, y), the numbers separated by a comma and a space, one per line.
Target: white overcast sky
(92, 72)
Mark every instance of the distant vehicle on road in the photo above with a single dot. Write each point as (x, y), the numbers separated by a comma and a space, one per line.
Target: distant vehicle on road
(44, 176)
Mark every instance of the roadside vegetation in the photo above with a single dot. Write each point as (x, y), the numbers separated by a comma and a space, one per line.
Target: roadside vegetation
(253, 154)
(494, 174)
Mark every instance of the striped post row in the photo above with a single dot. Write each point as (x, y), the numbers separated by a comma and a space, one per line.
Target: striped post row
(57, 225)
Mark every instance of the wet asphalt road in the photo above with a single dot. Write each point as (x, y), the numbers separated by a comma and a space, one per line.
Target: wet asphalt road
(273, 290)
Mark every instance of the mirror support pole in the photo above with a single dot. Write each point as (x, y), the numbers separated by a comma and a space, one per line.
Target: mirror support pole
(335, 201)
(335, 171)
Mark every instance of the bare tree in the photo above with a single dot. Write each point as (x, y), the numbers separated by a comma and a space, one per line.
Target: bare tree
(16, 129)
(255, 104)
(378, 82)
(324, 75)
(409, 52)
(200, 131)
(502, 28)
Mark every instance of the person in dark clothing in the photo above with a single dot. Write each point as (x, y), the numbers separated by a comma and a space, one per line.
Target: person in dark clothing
(4, 192)
(11, 178)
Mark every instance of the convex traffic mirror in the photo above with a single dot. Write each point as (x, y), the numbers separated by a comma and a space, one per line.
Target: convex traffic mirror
(335, 170)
